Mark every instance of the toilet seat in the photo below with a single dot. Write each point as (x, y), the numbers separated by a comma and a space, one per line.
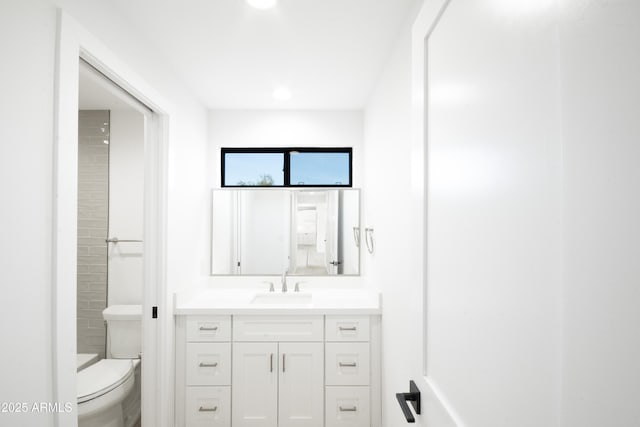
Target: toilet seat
(102, 377)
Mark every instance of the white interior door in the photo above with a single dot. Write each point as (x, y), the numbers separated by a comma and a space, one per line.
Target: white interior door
(255, 385)
(405, 327)
(301, 385)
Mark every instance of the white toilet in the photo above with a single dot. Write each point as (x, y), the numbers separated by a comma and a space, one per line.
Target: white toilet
(104, 386)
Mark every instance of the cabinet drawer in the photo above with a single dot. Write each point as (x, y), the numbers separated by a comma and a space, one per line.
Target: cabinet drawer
(208, 364)
(208, 406)
(278, 328)
(347, 328)
(208, 328)
(347, 407)
(347, 364)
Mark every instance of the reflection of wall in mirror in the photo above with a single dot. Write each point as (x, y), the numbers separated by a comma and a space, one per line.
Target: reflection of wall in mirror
(224, 254)
(349, 218)
(264, 231)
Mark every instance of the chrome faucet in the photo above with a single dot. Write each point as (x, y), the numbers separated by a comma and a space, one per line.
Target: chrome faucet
(284, 280)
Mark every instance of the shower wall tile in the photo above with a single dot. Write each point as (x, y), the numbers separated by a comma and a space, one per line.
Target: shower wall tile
(93, 211)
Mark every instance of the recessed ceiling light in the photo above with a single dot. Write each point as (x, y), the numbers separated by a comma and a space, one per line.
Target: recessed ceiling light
(282, 94)
(262, 4)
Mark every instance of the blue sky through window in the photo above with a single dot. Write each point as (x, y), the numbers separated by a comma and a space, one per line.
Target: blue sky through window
(250, 168)
(312, 168)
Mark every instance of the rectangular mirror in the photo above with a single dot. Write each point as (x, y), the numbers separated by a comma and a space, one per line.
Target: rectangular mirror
(308, 232)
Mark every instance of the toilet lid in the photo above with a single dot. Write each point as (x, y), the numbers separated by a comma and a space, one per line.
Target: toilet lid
(102, 377)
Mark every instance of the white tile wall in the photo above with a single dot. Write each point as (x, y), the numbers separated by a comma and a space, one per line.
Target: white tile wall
(93, 208)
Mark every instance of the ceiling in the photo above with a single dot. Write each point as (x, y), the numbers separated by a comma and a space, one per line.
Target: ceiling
(97, 93)
(327, 52)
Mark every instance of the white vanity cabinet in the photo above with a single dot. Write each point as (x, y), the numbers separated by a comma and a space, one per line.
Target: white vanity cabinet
(348, 371)
(204, 370)
(281, 357)
(278, 384)
(277, 371)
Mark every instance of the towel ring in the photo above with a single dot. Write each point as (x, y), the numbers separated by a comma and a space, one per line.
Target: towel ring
(368, 238)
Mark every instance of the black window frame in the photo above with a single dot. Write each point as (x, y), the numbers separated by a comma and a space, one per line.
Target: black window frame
(286, 151)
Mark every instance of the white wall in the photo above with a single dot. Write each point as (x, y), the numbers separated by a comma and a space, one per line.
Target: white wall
(27, 31)
(126, 213)
(27, 44)
(393, 208)
(600, 57)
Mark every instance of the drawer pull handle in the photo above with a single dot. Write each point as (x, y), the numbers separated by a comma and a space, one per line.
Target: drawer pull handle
(271, 363)
(351, 328)
(208, 365)
(347, 365)
(350, 409)
(283, 356)
(208, 328)
(203, 409)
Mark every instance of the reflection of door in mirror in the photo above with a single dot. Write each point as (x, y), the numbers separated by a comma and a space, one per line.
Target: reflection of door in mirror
(315, 242)
(331, 234)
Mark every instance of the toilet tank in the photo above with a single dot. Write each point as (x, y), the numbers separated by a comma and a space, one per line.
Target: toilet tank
(124, 331)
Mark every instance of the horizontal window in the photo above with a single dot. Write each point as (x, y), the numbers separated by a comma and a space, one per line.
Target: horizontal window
(286, 167)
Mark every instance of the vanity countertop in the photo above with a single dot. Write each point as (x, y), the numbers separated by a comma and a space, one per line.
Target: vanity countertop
(256, 302)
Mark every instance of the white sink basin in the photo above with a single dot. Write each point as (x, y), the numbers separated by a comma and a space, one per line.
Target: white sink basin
(282, 298)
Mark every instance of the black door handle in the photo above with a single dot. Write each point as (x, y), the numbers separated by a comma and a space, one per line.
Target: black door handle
(414, 397)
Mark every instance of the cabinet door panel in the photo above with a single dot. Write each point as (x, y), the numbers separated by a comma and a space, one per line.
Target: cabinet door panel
(301, 385)
(255, 385)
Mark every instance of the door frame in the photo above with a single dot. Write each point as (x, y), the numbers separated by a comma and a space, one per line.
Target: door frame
(73, 42)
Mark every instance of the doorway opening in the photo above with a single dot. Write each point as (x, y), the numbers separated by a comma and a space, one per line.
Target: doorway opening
(110, 261)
